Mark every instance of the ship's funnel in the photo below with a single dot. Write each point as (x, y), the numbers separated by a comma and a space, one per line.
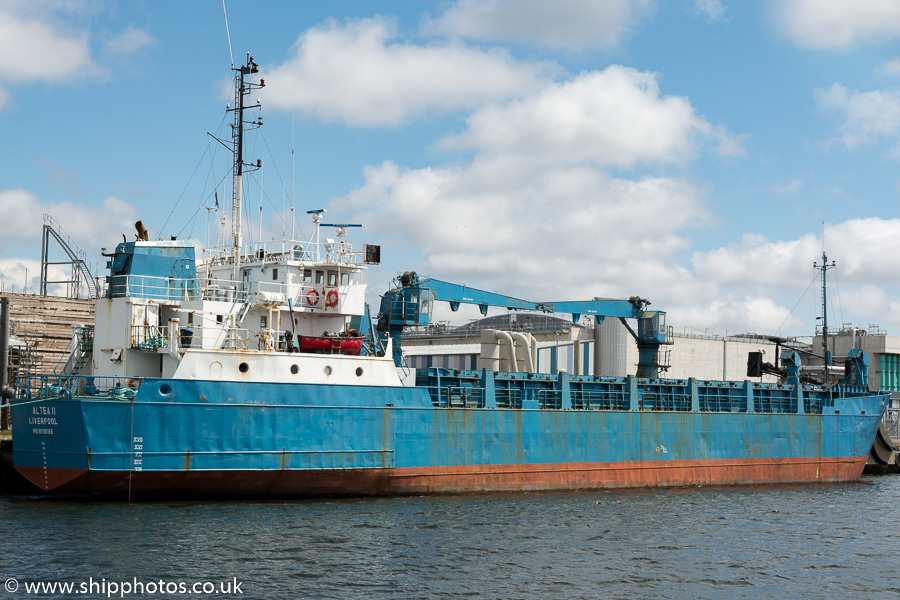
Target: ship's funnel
(141, 231)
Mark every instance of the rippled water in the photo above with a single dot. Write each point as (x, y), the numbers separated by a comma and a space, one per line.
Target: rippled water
(818, 541)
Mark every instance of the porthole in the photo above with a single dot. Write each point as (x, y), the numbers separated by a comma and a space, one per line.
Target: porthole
(165, 389)
(294, 369)
(328, 370)
(243, 367)
(359, 371)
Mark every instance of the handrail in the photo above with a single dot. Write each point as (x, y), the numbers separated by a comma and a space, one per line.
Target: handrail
(302, 295)
(46, 386)
(73, 341)
(891, 422)
(324, 253)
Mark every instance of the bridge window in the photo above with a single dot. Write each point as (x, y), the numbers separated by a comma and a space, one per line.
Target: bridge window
(307, 275)
(274, 274)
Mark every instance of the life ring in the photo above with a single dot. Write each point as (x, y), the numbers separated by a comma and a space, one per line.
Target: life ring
(312, 297)
(331, 298)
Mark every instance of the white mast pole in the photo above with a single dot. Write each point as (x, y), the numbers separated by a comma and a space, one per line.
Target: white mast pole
(292, 169)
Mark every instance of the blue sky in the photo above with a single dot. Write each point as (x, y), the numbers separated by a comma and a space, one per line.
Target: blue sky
(687, 152)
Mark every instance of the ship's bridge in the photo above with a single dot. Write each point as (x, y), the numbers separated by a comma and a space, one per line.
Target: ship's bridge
(153, 270)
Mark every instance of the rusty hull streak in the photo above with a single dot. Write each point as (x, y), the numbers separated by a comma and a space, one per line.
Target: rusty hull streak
(453, 480)
(653, 473)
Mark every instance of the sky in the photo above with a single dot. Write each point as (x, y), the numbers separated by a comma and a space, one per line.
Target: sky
(691, 152)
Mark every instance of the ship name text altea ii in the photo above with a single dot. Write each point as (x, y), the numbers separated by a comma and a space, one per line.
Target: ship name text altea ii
(258, 371)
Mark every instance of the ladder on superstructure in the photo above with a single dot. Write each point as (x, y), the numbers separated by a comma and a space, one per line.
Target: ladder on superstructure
(76, 256)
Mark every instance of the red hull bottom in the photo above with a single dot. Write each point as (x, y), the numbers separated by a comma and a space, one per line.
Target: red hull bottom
(446, 480)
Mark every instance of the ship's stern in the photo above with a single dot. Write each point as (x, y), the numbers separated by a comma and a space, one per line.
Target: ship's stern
(48, 440)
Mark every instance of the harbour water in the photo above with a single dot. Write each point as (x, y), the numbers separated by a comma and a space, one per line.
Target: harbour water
(814, 541)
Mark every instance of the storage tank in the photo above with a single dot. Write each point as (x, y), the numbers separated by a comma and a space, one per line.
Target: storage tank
(610, 346)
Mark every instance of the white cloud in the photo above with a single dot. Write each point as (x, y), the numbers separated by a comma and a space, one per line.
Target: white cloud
(535, 214)
(550, 233)
(756, 262)
(563, 233)
(868, 116)
(865, 251)
(890, 68)
(614, 117)
(737, 313)
(21, 275)
(574, 232)
(32, 50)
(791, 187)
(129, 41)
(837, 24)
(577, 24)
(353, 73)
(43, 8)
(43, 41)
(89, 227)
(712, 9)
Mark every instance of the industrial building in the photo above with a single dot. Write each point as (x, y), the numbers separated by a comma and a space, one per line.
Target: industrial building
(560, 345)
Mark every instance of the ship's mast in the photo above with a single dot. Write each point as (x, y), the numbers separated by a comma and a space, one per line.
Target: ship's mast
(242, 88)
(826, 354)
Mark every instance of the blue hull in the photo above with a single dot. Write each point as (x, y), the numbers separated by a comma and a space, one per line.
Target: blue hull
(180, 437)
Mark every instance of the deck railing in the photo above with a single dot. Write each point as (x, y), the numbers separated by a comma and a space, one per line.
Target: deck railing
(301, 295)
(52, 386)
(891, 421)
(335, 253)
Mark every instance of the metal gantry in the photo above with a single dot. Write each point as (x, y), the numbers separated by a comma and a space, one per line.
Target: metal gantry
(77, 261)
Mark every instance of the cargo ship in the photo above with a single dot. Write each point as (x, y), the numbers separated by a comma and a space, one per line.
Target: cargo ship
(259, 370)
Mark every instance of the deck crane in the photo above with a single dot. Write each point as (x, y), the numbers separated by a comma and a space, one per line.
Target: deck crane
(410, 303)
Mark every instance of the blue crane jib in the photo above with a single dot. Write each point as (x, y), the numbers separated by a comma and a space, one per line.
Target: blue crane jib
(411, 303)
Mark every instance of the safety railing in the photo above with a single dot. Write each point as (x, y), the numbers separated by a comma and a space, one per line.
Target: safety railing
(30, 387)
(662, 397)
(220, 338)
(149, 337)
(508, 397)
(456, 397)
(80, 344)
(303, 295)
(612, 398)
(159, 288)
(335, 253)
(891, 422)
